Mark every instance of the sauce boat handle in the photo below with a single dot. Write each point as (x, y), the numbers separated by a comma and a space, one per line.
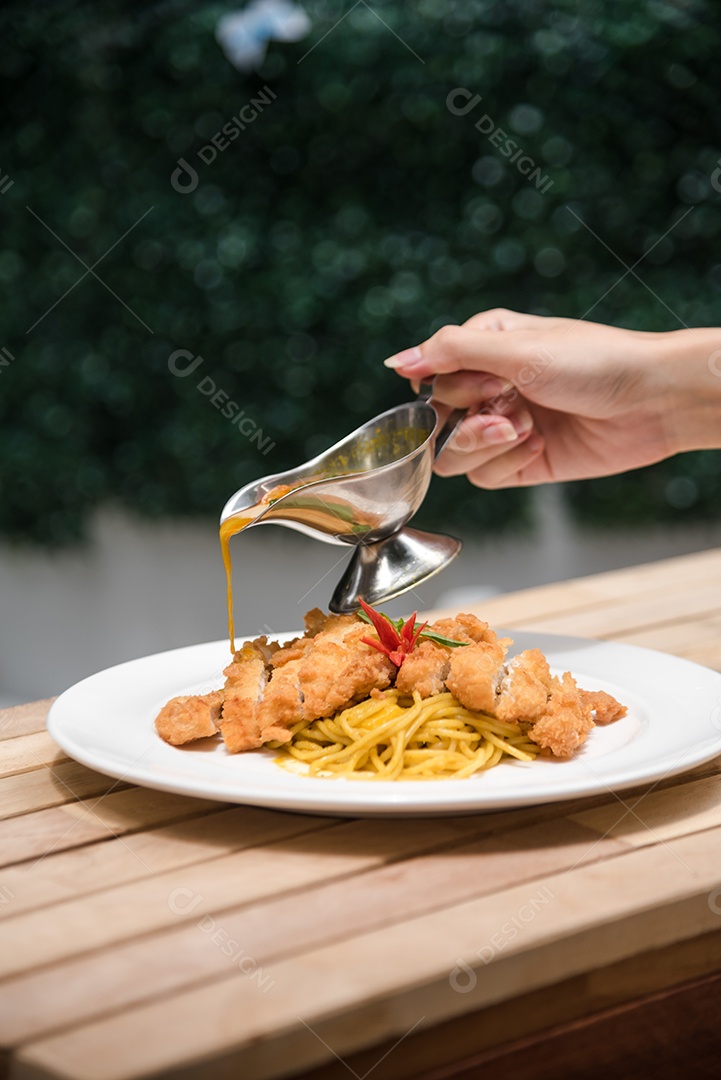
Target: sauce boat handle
(446, 431)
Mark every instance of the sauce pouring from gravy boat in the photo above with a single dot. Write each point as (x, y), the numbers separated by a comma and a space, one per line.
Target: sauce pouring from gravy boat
(360, 492)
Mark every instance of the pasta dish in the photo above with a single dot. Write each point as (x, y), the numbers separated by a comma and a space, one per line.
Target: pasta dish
(423, 739)
(361, 696)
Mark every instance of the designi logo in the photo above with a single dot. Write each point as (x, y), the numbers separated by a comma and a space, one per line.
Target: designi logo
(184, 178)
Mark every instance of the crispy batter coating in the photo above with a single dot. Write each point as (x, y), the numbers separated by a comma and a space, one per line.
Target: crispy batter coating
(184, 719)
(292, 650)
(466, 628)
(245, 681)
(335, 675)
(425, 669)
(605, 707)
(476, 673)
(315, 620)
(281, 705)
(264, 648)
(315, 675)
(566, 721)
(525, 688)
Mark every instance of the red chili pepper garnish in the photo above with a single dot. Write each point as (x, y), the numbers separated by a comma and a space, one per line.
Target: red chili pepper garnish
(394, 644)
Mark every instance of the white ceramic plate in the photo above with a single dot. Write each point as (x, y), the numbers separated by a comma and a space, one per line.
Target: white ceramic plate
(673, 723)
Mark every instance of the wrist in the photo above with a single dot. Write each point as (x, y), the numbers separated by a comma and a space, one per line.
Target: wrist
(690, 370)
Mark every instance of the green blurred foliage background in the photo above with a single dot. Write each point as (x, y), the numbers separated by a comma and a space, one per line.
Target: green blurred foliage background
(351, 218)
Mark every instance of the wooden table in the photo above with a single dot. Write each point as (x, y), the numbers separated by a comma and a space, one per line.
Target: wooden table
(146, 934)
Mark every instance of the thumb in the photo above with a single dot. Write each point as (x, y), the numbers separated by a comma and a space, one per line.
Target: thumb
(459, 348)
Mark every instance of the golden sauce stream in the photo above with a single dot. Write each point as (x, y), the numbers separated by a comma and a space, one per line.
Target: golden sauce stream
(235, 524)
(230, 527)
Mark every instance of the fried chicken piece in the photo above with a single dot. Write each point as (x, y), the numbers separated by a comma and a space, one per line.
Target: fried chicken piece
(466, 628)
(315, 621)
(525, 688)
(246, 678)
(292, 650)
(340, 628)
(558, 714)
(567, 719)
(263, 647)
(194, 716)
(282, 703)
(428, 668)
(316, 675)
(477, 669)
(425, 669)
(476, 673)
(336, 674)
(325, 671)
(605, 707)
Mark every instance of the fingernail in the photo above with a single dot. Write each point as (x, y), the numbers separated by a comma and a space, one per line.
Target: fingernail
(499, 433)
(406, 359)
(535, 443)
(524, 423)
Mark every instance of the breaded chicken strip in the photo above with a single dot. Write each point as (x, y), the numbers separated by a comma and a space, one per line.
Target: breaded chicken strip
(472, 672)
(566, 721)
(605, 707)
(321, 672)
(525, 688)
(245, 681)
(336, 674)
(264, 703)
(184, 719)
(425, 669)
(467, 628)
(315, 620)
(282, 703)
(316, 675)
(476, 673)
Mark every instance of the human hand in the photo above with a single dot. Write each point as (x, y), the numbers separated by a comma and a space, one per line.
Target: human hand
(553, 399)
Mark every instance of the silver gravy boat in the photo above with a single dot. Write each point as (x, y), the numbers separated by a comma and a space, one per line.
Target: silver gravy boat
(360, 493)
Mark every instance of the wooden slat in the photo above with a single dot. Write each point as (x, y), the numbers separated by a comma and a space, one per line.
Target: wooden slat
(679, 637)
(621, 617)
(53, 786)
(130, 810)
(28, 752)
(24, 719)
(44, 836)
(671, 577)
(167, 899)
(380, 984)
(660, 816)
(98, 867)
(666, 1035)
(80, 989)
(538, 1012)
(35, 835)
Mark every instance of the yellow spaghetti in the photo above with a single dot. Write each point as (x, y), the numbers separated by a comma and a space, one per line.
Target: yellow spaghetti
(390, 737)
